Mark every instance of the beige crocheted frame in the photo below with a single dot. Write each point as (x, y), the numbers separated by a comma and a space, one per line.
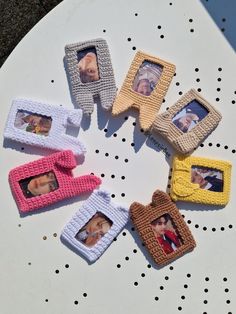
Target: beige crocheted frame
(186, 142)
(142, 217)
(148, 106)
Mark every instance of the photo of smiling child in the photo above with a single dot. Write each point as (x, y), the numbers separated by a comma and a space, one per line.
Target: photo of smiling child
(94, 230)
(147, 78)
(88, 65)
(166, 234)
(207, 178)
(190, 116)
(33, 123)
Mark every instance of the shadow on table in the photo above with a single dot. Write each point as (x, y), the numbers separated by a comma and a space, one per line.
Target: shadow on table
(223, 14)
(33, 150)
(62, 203)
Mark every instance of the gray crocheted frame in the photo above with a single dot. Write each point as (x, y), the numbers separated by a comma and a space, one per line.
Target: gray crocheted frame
(105, 87)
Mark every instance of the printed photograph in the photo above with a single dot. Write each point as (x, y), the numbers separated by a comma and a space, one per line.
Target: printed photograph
(166, 233)
(39, 185)
(94, 230)
(190, 116)
(88, 65)
(33, 123)
(147, 78)
(208, 178)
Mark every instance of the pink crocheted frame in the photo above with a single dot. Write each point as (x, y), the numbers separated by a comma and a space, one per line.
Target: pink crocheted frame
(61, 164)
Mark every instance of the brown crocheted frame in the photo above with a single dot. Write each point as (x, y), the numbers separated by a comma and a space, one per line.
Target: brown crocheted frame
(186, 142)
(142, 217)
(147, 105)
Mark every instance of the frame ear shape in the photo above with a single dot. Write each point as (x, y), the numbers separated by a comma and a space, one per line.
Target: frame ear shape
(136, 209)
(159, 198)
(66, 160)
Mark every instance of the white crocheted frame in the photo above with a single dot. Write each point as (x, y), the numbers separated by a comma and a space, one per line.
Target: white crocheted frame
(57, 139)
(99, 201)
(105, 87)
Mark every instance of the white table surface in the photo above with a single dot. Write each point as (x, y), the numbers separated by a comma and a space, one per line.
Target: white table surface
(28, 282)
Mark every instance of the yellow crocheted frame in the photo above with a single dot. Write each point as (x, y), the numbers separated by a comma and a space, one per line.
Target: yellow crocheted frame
(183, 189)
(148, 106)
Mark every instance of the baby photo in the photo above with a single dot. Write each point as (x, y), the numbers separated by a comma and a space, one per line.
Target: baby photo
(207, 178)
(33, 123)
(147, 77)
(38, 185)
(94, 230)
(166, 233)
(88, 65)
(189, 116)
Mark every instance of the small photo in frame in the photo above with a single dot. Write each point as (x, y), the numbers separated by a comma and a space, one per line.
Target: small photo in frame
(189, 116)
(208, 178)
(88, 65)
(32, 122)
(147, 77)
(39, 185)
(94, 230)
(166, 233)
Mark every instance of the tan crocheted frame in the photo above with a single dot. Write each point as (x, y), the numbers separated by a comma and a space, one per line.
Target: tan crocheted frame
(186, 142)
(142, 217)
(148, 106)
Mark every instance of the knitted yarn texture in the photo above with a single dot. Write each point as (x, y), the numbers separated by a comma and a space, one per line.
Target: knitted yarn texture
(59, 165)
(186, 173)
(144, 217)
(148, 106)
(183, 142)
(56, 118)
(98, 202)
(104, 87)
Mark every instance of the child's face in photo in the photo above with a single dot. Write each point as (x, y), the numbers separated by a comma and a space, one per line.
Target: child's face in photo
(207, 178)
(88, 67)
(95, 229)
(197, 178)
(147, 78)
(186, 120)
(159, 226)
(42, 184)
(188, 117)
(33, 123)
(144, 87)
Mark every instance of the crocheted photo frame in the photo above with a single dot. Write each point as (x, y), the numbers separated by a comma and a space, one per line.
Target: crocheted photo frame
(188, 122)
(144, 88)
(91, 74)
(200, 180)
(162, 228)
(43, 125)
(48, 180)
(95, 225)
